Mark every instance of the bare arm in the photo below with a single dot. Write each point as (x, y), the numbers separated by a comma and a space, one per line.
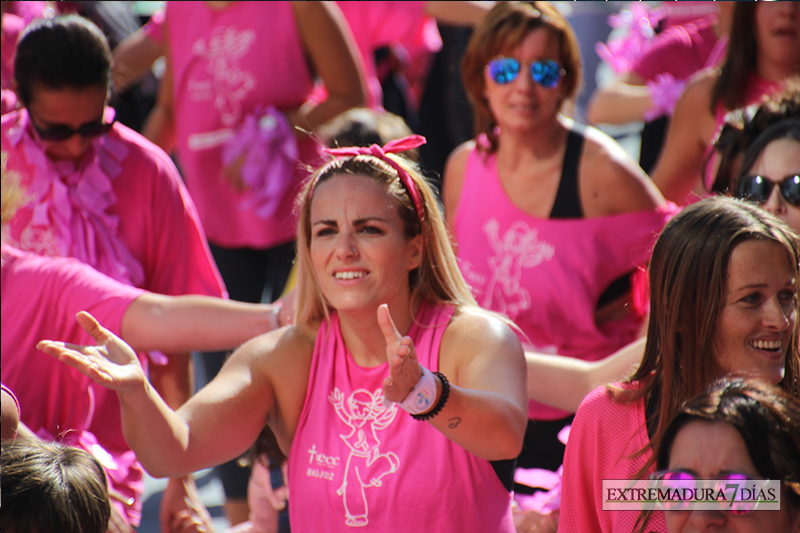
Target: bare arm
(677, 172)
(486, 412)
(334, 57)
(563, 382)
(622, 101)
(132, 58)
(194, 323)
(217, 424)
(458, 13)
(160, 125)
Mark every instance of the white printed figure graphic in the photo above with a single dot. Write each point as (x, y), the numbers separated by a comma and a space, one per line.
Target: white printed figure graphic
(366, 465)
(231, 84)
(518, 248)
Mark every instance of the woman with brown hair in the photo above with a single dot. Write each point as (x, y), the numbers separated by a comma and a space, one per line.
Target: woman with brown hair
(553, 220)
(763, 52)
(723, 289)
(738, 430)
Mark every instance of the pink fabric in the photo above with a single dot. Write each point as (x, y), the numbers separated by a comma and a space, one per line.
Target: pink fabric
(637, 23)
(226, 64)
(547, 275)
(375, 24)
(267, 149)
(40, 298)
(12, 28)
(154, 217)
(30, 10)
(679, 51)
(604, 436)
(355, 462)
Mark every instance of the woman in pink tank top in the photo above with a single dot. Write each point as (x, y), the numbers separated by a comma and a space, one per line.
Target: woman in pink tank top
(553, 220)
(385, 323)
(764, 52)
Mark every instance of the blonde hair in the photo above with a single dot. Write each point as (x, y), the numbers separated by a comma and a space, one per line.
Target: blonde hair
(437, 279)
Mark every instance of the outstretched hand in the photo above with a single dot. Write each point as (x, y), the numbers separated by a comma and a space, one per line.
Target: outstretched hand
(404, 369)
(112, 363)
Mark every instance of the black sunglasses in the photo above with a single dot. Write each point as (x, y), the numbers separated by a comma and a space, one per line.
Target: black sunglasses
(62, 133)
(758, 189)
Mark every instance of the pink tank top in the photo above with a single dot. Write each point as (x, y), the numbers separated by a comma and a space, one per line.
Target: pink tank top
(547, 275)
(357, 464)
(226, 64)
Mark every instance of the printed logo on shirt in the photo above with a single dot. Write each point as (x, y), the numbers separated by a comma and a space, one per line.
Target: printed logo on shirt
(323, 463)
(365, 414)
(229, 84)
(517, 249)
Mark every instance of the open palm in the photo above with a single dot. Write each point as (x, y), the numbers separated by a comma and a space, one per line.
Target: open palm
(111, 363)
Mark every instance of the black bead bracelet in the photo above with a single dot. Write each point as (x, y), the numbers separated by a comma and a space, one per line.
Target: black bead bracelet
(440, 404)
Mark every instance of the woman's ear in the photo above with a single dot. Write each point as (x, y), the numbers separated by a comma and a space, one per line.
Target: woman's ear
(415, 259)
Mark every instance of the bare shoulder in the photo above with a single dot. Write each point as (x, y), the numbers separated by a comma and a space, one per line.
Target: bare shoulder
(285, 346)
(472, 318)
(611, 182)
(474, 329)
(453, 179)
(480, 350)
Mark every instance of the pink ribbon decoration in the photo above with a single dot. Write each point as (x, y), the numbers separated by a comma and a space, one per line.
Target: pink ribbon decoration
(267, 144)
(638, 22)
(392, 147)
(664, 92)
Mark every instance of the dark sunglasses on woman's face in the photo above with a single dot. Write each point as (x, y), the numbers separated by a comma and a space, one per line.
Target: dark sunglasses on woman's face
(62, 133)
(546, 73)
(682, 479)
(758, 189)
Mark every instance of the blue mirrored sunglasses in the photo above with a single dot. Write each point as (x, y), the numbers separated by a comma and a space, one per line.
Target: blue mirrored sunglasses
(546, 73)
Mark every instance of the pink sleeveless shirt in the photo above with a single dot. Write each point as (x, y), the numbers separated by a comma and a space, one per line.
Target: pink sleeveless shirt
(225, 65)
(547, 275)
(357, 464)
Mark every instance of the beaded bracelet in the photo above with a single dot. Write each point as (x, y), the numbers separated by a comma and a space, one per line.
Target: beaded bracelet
(440, 404)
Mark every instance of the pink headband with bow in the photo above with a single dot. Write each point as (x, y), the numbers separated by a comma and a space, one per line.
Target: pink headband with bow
(392, 147)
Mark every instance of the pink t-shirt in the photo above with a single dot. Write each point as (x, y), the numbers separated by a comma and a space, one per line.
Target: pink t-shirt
(547, 275)
(680, 51)
(40, 298)
(354, 462)
(375, 24)
(604, 436)
(226, 64)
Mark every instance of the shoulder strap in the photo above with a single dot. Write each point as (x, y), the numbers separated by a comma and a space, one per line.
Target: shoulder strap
(568, 203)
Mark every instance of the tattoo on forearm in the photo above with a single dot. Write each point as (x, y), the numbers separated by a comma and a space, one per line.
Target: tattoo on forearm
(454, 422)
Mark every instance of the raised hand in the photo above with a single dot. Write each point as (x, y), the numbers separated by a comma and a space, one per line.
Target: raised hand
(112, 363)
(404, 369)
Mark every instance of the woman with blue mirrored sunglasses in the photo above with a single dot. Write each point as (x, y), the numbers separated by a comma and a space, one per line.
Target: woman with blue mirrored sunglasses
(531, 197)
(545, 72)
